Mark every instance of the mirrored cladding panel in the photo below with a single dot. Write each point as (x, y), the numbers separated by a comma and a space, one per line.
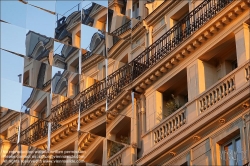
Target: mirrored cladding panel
(10, 120)
(39, 47)
(118, 128)
(66, 57)
(64, 82)
(118, 153)
(11, 80)
(94, 14)
(50, 6)
(13, 42)
(92, 39)
(68, 22)
(66, 8)
(40, 21)
(102, 2)
(91, 148)
(36, 74)
(7, 8)
(93, 122)
(36, 103)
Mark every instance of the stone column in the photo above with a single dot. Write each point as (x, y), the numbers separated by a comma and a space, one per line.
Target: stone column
(143, 113)
(246, 118)
(105, 152)
(242, 39)
(150, 35)
(138, 107)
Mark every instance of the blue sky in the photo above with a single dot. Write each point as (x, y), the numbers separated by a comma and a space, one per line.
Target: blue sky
(23, 18)
(11, 89)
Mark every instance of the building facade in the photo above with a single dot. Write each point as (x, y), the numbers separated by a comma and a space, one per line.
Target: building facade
(125, 82)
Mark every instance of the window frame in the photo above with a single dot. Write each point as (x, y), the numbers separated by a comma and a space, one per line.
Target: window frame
(223, 154)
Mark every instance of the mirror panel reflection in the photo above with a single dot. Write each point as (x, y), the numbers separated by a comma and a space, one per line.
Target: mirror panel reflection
(49, 6)
(91, 148)
(93, 122)
(118, 153)
(10, 120)
(16, 41)
(35, 102)
(39, 47)
(68, 23)
(66, 8)
(37, 74)
(65, 83)
(94, 14)
(11, 94)
(7, 8)
(40, 21)
(103, 3)
(66, 57)
(92, 40)
(118, 127)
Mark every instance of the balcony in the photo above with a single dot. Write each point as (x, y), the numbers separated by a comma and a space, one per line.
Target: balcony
(120, 158)
(219, 94)
(117, 81)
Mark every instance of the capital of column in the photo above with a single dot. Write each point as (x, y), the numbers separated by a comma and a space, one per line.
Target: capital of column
(246, 117)
(143, 111)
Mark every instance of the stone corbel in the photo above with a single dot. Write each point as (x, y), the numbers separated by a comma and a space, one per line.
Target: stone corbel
(144, 24)
(246, 117)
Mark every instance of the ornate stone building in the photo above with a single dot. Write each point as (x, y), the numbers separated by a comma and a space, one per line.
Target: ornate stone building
(125, 82)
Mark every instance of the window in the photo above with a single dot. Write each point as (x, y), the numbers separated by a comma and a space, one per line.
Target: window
(77, 68)
(43, 113)
(77, 88)
(231, 152)
(184, 164)
(234, 64)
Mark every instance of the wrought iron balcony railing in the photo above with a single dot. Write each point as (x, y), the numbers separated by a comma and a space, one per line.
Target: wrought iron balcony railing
(116, 82)
(122, 29)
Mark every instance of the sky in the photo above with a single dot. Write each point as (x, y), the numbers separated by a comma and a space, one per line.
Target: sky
(13, 36)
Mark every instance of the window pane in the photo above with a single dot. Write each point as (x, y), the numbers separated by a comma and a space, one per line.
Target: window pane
(228, 149)
(239, 152)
